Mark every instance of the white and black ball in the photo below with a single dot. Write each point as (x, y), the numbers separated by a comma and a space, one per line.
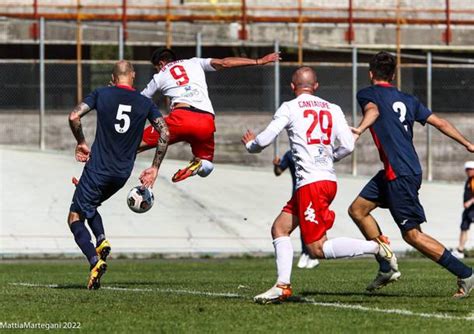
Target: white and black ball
(140, 200)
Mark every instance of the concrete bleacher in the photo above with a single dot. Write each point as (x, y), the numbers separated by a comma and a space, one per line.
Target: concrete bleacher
(229, 212)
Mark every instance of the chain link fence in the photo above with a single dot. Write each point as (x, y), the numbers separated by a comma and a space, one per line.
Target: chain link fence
(243, 98)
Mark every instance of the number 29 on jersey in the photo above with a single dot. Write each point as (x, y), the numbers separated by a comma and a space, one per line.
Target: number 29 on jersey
(321, 124)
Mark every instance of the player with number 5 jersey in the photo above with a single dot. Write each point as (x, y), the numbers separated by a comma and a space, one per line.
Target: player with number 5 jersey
(191, 118)
(121, 116)
(319, 136)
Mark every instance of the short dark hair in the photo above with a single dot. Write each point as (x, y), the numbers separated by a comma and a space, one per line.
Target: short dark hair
(164, 54)
(383, 66)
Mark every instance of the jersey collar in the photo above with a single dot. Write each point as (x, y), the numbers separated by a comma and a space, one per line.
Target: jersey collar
(127, 87)
(384, 84)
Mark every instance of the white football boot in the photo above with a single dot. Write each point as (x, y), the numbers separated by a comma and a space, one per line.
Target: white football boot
(277, 294)
(382, 279)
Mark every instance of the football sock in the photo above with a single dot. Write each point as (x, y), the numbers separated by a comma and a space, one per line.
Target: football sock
(206, 168)
(284, 259)
(83, 240)
(95, 223)
(453, 265)
(384, 265)
(304, 249)
(348, 247)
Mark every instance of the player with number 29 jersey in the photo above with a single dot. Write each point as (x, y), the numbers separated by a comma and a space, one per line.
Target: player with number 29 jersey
(393, 130)
(313, 126)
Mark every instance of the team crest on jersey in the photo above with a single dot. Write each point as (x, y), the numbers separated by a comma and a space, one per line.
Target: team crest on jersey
(310, 214)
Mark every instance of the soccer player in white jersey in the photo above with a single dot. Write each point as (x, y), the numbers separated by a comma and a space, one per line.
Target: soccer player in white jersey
(313, 126)
(192, 116)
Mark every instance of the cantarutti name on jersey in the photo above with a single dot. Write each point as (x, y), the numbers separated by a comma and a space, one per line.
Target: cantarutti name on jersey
(313, 104)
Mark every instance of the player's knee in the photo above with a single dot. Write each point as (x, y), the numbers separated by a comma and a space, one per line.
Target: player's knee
(356, 212)
(412, 236)
(73, 217)
(315, 251)
(206, 168)
(278, 230)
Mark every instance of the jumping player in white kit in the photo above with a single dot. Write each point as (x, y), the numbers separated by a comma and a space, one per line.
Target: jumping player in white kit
(313, 126)
(192, 116)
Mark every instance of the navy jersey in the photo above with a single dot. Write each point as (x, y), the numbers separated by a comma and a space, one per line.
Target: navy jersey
(393, 130)
(121, 116)
(287, 162)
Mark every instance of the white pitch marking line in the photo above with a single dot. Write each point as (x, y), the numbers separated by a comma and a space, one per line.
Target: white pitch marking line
(234, 295)
(390, 311)
(114, 288)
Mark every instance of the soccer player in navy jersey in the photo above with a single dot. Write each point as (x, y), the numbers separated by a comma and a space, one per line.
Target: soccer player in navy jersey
(390, 115)
(121, 116)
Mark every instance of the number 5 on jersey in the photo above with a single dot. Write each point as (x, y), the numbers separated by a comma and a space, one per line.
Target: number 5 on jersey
(324, 119)
(124, 120)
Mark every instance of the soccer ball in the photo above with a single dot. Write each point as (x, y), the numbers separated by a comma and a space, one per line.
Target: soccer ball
(140, 200)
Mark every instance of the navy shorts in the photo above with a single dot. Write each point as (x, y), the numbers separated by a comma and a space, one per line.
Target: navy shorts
(92, 190)
(400, 196)
(467, 219)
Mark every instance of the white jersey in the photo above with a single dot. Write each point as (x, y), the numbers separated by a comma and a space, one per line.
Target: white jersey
(318, 133)
(183, 81)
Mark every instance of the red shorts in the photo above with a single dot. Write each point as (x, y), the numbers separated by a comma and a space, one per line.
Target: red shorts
(195, 128)
(310, 204)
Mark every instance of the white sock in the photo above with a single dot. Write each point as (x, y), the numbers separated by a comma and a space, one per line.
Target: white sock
(206, 168)
(348, 247)
(284, 259)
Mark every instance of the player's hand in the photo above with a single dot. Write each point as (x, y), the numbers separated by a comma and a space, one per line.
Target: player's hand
(276, 161)
(470, 148)
(82, 152)
(269, 58)
(356, 133)
(247, 137)
(148, 177)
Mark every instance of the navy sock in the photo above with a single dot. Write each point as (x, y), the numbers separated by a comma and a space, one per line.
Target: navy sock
(97, 228)
(83, 240)
(384, 265)
(453, 265)
(304, 249)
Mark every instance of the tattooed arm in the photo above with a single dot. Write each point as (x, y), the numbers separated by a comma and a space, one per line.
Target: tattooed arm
(82, 150)
(148, 176)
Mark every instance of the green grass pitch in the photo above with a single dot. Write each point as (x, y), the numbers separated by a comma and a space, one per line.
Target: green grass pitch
(215, 296)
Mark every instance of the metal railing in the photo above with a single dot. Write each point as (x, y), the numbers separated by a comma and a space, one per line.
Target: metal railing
(54, 86)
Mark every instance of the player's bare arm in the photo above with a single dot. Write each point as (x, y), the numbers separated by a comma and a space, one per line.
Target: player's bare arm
(371, 113)
(450, 130)
(82, 150)
(230, 62)
(148, 176)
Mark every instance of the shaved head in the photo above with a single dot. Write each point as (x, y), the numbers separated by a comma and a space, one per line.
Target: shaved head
(123, 73)
(122, 68)
(304, 80)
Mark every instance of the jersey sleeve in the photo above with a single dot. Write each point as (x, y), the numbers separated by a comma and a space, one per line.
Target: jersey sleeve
(344, 136)
(422, 113)
(151, 88)
(153, 113)
(267, 136)
(364, 96)
(205, 64)
(91, 99)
